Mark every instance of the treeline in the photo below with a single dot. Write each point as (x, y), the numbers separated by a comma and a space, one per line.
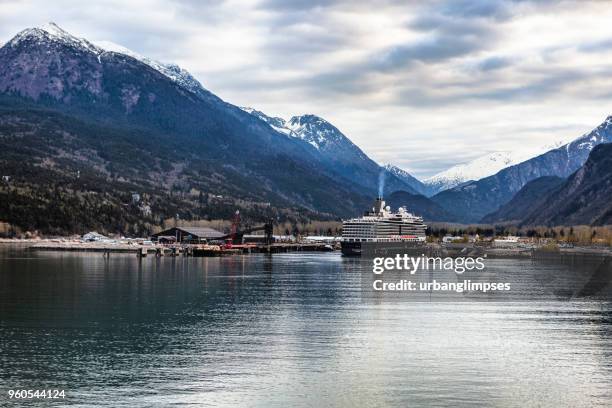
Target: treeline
(578, 234)
(76, 204)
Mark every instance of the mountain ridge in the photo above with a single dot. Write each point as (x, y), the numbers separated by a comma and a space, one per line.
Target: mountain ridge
(419, 205)
(530, 196)
(584, 199)
(474, 200)
(484, 166)
(183, 138)
(345, 157)
(49, 82)
(473, 170)
(417, 185)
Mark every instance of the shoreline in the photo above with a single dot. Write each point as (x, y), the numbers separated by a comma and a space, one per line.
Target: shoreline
(64, 245)
(60, 245)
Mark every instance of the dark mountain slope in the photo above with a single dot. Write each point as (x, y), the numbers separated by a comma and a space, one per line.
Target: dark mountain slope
(337, 152)
(419, 205)
(416, 185)
(346, 158)
(68, 106)
(531, 196)
(112, 87)
(66, 175)
(585, 198)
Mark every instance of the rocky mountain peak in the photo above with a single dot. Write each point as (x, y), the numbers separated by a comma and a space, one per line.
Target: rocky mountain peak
(52, 37)
(410, 180)
(310, 128)
(51, 32)
(317, 131)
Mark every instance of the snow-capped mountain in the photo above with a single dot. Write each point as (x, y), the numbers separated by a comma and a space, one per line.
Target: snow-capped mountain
(55, 84)
(475, 199)
(313, 130)
(89, 70)
(473, 170)
(52, 32)
(484, 166)
(321, 134)
(336, 149)
(177, 74)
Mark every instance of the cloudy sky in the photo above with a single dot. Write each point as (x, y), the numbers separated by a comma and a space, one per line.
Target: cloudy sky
(422, 85)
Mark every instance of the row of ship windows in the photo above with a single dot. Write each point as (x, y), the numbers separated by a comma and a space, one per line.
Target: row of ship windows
(385, 226)
(380, 239)
(379, 236)
(381, 232)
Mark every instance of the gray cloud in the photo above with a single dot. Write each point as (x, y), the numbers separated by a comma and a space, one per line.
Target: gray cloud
(596, 46)
(435, 49)
(292, 5)
(494, 63)
(495, 9)
(295, 41)
(447, 38)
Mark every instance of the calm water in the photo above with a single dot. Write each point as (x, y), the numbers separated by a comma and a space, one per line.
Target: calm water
(286, 330)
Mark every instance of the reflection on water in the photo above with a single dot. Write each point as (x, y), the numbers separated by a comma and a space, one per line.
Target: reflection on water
(283, 330)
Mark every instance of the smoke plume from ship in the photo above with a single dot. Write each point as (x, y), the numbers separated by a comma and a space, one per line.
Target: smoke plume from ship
(381, 182)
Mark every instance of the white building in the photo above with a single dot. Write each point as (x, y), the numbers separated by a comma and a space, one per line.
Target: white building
(94, 236)
(322, 239)
(506, 242)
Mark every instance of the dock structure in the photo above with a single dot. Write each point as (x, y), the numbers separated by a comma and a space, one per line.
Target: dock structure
(294, 247)
(190, 235)
(176, 249)
(275, 248)
(576, 255)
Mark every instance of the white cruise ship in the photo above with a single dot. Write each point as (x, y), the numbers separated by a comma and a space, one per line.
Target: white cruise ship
(380, 226)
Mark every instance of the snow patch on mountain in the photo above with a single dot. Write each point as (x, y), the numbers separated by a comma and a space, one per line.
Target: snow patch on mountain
(276, 123)
(397, 171)
(312, 129)
(315, 130)
(474, 170)
(601, 134)
(177, 74)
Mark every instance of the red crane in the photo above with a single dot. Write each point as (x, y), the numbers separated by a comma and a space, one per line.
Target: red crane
(235, 226)
(236, 233)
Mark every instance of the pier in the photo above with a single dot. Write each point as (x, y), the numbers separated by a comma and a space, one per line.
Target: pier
(160, 250)
(181, 249)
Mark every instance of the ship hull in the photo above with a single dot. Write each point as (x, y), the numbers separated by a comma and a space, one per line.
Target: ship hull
(351, 248)
(382, 248)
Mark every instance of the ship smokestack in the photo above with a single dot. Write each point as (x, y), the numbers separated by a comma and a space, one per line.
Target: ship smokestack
(379, 205)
